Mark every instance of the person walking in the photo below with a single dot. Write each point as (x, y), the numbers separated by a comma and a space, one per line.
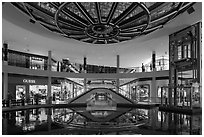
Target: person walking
(143, 68)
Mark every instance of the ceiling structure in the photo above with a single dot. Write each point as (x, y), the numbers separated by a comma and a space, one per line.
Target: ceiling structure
(143, 33)
(102, 22)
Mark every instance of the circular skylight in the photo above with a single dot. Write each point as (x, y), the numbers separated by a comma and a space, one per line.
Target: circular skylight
(102, 22)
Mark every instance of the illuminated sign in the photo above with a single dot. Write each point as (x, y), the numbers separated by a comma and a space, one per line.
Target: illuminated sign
(28, 81)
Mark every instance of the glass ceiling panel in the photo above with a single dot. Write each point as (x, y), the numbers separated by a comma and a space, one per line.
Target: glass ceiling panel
(149, 4)
(90, 8)
(105, 9)
(72, 7)
(46, 6)
(135, 12)
(122, 6)
(160, 12)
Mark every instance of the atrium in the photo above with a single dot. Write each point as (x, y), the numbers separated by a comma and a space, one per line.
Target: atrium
(101, 68)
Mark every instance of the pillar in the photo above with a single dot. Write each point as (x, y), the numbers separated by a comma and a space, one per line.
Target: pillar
(175, 86)
(162, 96)
(199, 73)
(153, 91)
(117, 80)
(153, 60)
(27, 95)
(85, 80)
(73, 90)
(49, 98)
(5, 85)
(5, 74)
(49, 119)
(4, 126)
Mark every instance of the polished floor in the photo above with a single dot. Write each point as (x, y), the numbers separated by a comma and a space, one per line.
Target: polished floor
(80, 121)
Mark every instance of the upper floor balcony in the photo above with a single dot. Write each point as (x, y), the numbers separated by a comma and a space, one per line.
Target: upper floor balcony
(39, 62)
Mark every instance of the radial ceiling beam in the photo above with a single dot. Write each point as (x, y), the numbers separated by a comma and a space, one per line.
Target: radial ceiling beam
(125, 13)
(69, 23)
(98, 11)
(84, 12)
(126, 23)
(63, 21)
(79, 20)
(112, 11)
(133, 27)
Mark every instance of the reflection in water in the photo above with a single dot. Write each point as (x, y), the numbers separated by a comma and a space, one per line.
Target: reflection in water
(80, 121)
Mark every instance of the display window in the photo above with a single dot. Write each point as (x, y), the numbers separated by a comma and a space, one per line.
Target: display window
(20, 91)
(55, 92)
(143, 93)
(38, 92)
(37, 63)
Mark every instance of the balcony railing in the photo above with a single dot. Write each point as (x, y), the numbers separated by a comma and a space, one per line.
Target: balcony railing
(38, 62)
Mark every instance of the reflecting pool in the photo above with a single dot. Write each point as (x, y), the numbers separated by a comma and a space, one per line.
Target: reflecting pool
(79, 121)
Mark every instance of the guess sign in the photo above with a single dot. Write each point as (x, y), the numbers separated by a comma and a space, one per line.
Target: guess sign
(28, 81)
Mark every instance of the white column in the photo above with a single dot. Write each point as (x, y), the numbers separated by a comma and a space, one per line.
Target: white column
(153, 89)
(5, 82)
(49, 78)
(5, 74)
(117, 80)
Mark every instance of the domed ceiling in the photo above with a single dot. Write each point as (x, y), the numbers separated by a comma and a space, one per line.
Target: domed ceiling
(102, 22)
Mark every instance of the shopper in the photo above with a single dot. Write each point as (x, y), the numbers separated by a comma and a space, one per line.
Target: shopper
(150, 66)
(143, 68)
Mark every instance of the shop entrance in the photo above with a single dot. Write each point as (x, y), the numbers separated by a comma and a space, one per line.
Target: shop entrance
(142, 93)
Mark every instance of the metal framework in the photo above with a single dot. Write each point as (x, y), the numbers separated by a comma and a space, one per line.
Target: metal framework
(102, 22)
(184, 61)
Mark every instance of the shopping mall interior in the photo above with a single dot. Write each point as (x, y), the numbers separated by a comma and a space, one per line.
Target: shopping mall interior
(101, 68)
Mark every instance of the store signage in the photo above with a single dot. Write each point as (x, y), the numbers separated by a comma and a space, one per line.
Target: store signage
(28, 81)
(37, 59)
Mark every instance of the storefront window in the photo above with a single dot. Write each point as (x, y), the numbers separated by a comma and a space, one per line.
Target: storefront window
(179, 53)
(36, 63)
(20, 91)
(38, 92)
(143, 93)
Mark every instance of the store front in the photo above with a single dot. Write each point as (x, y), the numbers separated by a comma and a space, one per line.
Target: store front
(28, 88)
(34, 89)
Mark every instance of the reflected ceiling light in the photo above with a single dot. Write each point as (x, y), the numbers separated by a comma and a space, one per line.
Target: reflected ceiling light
(102, 22)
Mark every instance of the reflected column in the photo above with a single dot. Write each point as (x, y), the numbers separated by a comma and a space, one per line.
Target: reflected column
(49, 119)
(49, 99)
(176, 122)
(4, 126)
